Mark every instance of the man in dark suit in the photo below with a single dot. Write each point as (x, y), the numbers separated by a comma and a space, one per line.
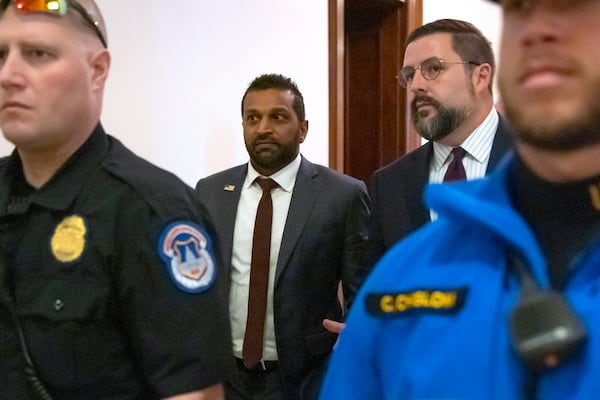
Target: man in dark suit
(448, 72)
(319, 238)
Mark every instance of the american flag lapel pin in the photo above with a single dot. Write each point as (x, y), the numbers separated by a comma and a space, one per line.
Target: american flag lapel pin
(229, 188)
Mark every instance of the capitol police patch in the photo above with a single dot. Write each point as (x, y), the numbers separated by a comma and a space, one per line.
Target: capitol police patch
(186, 250)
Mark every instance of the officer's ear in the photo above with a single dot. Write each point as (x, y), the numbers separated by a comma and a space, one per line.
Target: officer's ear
(99, 66)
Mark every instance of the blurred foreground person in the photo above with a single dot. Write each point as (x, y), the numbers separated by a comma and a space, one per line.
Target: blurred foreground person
(500, 300)
(109, 287)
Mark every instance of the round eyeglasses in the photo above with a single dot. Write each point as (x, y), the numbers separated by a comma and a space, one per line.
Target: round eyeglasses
(430, 70)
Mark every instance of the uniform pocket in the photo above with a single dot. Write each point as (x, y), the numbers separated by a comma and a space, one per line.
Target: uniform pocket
(59, 300)
(66, 329)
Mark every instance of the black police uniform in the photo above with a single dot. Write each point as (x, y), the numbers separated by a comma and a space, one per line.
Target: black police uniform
(110, 271)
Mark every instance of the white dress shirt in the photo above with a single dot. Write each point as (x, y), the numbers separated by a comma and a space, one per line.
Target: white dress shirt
(478, 146)
(242, 252)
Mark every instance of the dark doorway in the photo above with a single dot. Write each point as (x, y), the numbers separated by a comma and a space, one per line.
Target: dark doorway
(368, 122)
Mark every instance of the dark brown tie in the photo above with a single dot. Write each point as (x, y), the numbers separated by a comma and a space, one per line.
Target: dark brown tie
(259, 276)
(456, 170)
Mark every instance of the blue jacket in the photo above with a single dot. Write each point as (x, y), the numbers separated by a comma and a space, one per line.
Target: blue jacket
(431, 321)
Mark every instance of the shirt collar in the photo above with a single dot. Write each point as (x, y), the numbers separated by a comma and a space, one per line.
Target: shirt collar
(477, 144)
(60, 191)
(285, 177)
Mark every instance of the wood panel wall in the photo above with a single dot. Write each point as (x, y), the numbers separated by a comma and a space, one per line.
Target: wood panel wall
(368, 121)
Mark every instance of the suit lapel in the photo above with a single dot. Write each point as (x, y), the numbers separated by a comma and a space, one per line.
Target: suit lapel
(231, 191)
(306, 191)
(503, 141)
(420, 214)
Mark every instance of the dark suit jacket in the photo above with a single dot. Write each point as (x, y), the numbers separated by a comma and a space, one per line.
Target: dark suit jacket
(396, 192)
(324, 241)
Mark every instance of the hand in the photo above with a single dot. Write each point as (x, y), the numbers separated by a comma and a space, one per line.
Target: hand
(334, 326)
(214, 392)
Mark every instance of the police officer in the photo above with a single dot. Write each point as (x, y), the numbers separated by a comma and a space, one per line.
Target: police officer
(109, 287)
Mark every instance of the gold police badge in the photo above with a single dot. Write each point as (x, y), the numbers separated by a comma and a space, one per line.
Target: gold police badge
(68, 240)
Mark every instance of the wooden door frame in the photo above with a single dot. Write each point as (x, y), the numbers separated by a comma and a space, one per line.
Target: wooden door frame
(414, 16)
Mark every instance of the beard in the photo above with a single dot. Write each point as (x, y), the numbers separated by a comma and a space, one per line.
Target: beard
(564, 118)
(440, 125)
(274, 158)
(548, 133)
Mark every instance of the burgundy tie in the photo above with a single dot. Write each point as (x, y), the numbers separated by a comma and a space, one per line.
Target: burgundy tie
(259, 276)
(456, 170)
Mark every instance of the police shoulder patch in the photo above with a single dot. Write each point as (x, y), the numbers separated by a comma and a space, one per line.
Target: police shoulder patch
(187, 250)
(438, 301)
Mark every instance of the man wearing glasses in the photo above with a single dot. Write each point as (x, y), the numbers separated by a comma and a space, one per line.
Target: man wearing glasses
(109, 287)
(448, 72)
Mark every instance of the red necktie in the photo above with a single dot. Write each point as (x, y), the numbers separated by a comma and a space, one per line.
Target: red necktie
(259, 276)
(456, 170)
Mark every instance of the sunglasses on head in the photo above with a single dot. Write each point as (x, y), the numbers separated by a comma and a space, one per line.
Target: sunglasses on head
(56, 7)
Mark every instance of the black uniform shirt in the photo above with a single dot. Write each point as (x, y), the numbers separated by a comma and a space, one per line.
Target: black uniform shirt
(113, 278)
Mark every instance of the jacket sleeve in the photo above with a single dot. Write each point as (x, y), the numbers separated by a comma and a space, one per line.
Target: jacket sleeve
(356, 257)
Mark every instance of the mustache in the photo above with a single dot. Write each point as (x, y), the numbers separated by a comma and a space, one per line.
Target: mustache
(264, 138)
(423, 99)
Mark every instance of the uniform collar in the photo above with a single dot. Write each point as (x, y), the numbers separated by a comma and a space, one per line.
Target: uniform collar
(60, 191)
(485, 204)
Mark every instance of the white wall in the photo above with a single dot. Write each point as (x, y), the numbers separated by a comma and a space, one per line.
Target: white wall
(180, 69)
(485, 15)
